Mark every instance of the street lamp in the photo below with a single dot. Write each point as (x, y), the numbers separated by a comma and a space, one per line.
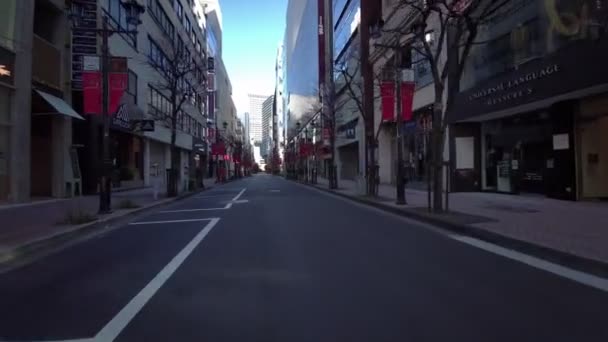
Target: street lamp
(133, 11)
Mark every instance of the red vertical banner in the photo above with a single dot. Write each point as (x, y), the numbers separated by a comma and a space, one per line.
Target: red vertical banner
(387, 93)
(118, 86)
(91, 92)
(118, 80)
(407, 99)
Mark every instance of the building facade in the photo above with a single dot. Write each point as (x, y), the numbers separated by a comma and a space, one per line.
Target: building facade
(267, 128)
(533, 104)
(36, 150)
(256, 106)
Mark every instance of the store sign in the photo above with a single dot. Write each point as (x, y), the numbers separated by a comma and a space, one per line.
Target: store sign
(515, 87)
(121, 118)
(578, 66)
(84, 39)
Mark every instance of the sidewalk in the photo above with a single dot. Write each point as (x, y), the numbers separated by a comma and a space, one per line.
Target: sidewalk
(575, 228)
(23, 224)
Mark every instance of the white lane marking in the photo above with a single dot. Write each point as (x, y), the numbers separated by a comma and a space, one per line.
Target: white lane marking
(578, 276)
(170, 221)
(275, 190)
(193, 210)
(226, 207)
(211, 196)
(122, 319)
(541, 264)
(235, 198)
(239, 195)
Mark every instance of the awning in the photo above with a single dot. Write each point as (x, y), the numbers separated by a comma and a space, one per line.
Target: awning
(59, 105)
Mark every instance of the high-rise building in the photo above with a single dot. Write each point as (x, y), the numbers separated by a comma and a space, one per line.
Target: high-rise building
(255, 117)
(267, 127)
(246, 127)
(301, 49)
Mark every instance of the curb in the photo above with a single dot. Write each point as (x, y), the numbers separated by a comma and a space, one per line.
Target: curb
(565, 259)
(22, 254)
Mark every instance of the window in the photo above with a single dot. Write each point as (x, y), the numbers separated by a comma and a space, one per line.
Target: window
(179, 9)
(198, 47)
(193, 35)
(132, 86)
(118, 16)
(156, 54)
(187, 24)
(158, 104)
(161, 18)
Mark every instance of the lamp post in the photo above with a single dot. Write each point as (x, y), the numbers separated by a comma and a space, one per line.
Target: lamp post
(133, 11)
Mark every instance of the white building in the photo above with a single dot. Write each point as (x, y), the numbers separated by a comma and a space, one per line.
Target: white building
(256, 103)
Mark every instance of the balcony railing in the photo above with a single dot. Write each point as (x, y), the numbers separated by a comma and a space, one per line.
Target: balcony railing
(46, 63)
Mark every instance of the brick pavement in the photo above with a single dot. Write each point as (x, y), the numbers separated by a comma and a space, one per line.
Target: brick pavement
(579, 228)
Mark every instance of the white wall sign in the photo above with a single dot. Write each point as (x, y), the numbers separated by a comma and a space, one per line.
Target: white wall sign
(561, 141)
(465, 153)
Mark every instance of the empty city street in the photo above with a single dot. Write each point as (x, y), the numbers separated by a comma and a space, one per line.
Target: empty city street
(266, 259)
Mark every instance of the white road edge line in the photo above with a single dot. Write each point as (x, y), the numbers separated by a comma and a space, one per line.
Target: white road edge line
(565, 272)
(170, 221)
(538, 263)
(111, 330)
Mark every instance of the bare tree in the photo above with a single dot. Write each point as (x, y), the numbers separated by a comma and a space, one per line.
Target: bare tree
(181, 81)
(443, 32)
(349, 92)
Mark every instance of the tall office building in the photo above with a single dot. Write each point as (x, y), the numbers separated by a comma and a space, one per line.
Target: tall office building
(267, 127)
(255, 117)
(246, 127)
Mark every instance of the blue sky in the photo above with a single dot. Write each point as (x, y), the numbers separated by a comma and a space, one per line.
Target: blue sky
(252, 31)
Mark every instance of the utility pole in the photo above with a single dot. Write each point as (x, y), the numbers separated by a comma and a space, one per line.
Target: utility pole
(133, 11)
(105, 186)
(398, 124)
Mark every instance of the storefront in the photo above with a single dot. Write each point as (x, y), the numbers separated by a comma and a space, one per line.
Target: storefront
(126, 148)
(198, 163)
(535, 129)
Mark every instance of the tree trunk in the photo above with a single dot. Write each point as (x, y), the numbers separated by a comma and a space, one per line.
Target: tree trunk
(173, 175)
(437, 156)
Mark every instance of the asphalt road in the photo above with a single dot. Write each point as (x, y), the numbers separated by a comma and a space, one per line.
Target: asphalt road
(264, 259)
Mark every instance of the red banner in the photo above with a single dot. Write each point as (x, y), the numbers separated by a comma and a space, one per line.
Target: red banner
(91, 92)
(387, 92)
(118, 85)
(305, 149)
(407, 99)
(218, 149)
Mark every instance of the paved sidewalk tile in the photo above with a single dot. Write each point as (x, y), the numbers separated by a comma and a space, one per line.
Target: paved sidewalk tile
(579, 228)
